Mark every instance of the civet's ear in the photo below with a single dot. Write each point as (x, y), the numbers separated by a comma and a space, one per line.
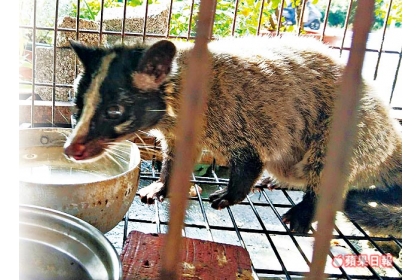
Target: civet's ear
(155, 65)
(88, 55)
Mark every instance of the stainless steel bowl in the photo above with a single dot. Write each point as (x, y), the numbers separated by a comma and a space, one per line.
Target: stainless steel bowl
(55, 245)
(98, 192)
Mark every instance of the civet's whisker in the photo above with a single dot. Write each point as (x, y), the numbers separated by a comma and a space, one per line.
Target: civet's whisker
(111, 156)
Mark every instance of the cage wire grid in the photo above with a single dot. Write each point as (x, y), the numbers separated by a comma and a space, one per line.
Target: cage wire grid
(255, 224)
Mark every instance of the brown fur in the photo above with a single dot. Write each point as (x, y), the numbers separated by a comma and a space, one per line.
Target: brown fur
(281, 103)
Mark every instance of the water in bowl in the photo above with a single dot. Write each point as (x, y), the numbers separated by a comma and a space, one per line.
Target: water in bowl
(48, 165)
(63, 175)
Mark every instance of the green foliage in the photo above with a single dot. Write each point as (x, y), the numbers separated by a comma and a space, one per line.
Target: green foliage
(180, 20)
(246, 23)
(395, 15)
(90, 8)
(226, 22)
(249, 12)
(338, 12)
(247, 16)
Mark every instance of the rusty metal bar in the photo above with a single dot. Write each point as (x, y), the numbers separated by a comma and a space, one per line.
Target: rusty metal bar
(235, 15)
(280, 9)
(192, 106)
(327, 12)
(77, 21)
(101, 21)
(54, 64)
(346, 25)
(395, 77)
(123, 21)
(190, 20)
(302, 12)
(76, 66)
(146, 12)
(212, 20)
(343, 129)
(382, 40)
(260, 17)
(169, 19)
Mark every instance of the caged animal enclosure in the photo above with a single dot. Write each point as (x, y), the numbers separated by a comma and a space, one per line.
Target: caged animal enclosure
(48, 68)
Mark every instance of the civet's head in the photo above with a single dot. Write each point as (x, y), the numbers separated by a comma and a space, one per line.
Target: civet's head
(118, 93)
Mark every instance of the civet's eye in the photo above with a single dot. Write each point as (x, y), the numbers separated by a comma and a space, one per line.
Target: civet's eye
(114, 112)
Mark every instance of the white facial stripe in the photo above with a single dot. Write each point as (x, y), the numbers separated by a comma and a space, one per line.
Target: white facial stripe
(92, 98)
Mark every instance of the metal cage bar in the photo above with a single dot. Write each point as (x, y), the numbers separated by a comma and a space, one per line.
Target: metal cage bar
(214, 180)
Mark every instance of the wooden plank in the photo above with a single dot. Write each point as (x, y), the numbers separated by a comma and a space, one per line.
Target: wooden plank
(141, 258)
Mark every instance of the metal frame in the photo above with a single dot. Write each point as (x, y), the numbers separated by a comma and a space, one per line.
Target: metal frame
(119, 234)
(155, 221)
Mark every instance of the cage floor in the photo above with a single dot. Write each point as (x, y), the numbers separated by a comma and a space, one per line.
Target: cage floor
(255, 224)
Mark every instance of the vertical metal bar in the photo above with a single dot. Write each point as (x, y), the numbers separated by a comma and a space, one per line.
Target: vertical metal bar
(101, 21)
(395, 77)
(33, 65)
(235, 15)
(346, 25)
(54, 64)
(382, 40)
(77, 20)
(123, 22)
(260, 17)
(157, 218)
(76, 66)
(125, 232)
(189, 123)
(190, 20)
(146, 13)
(203, 211)
(280, 9)
(302, 12)
(169, 19)
(212, 20)
(327, 12)
(343, 130)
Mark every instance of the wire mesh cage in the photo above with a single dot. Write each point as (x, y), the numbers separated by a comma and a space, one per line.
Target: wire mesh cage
(48, 68)
(256, 224)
